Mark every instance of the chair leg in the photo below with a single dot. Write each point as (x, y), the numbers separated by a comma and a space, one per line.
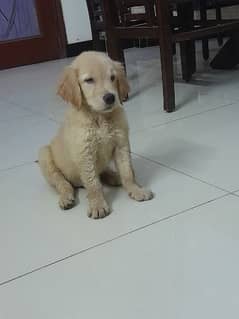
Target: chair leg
(98, 44)
(166, 53)
(205, 49)
(188, 59)
(113, 43)
(193, 57)
(219, 18)
(187, 48)
(167, 77)
(114, 48)
(203, 14)
(174, 44)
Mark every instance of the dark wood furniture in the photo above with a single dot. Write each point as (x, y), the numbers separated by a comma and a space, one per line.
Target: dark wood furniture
(164, 30)
(130, 17)
(204, 6)
(96, 16)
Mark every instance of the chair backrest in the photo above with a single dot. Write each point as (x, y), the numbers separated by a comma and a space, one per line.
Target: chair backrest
(223, 3)
(132, 12)
(96, 14)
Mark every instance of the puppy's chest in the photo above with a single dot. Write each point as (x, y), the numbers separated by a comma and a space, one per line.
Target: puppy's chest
(107, 135)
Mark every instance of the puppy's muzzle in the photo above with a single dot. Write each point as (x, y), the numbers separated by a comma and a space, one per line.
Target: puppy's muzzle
(109, 100)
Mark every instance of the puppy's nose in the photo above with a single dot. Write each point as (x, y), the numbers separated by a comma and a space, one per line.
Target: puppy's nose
(109, 98)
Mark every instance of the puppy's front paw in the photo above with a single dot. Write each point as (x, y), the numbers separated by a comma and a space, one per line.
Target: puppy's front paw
(98, 209)
(141, 194)
(67, 201)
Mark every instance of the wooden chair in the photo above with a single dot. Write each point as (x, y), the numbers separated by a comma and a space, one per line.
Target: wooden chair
(164, 30)
(96, 16)
(204, 6)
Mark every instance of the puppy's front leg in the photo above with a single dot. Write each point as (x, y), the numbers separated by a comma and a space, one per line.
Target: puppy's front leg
(98, 207)
(124, 166)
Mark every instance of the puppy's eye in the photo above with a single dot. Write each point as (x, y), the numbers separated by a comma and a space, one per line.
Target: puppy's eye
(112, 78)
(89, 80)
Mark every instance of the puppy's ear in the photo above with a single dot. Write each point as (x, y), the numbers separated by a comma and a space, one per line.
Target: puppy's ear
(122, 82)
(69, 87)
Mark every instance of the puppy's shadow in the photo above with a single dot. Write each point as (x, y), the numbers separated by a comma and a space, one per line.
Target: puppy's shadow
(111, 193)
(174, 153)
(145, 173)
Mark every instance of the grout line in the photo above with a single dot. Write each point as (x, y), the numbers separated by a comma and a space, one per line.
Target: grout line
(235, 194)
(32, 113)
(20, 106)
(183, 117)
(111, 240)
(235, 191)
(181, 172)
(49, 117)
(199, 113)
(18, 117)
(2, 170)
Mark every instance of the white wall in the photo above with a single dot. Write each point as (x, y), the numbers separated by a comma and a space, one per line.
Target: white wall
(77, 21)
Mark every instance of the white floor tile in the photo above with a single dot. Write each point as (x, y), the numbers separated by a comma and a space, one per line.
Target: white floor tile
(37, 232)
(208, 90)
(182, 268)
(34, 87)
(146, 109)
(9, 111)
(21, 138)
(204, 146)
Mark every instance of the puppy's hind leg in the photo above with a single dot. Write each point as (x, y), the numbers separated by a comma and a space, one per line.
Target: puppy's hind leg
(55, 178)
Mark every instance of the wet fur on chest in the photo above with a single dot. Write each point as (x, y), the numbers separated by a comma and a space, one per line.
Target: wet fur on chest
(105, 139)
(87, 137)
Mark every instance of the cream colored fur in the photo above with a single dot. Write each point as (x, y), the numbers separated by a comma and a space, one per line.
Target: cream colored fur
(92, 135)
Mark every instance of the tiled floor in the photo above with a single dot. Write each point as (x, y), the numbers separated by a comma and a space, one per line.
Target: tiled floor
(175, 257)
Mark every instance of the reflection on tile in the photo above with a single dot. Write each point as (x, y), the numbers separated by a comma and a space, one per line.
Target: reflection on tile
(203, 146)
(145, 105)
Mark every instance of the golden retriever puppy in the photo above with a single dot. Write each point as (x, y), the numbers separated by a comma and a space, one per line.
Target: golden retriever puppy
(94, 133)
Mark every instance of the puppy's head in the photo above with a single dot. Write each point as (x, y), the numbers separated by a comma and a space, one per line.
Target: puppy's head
(96, 81)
